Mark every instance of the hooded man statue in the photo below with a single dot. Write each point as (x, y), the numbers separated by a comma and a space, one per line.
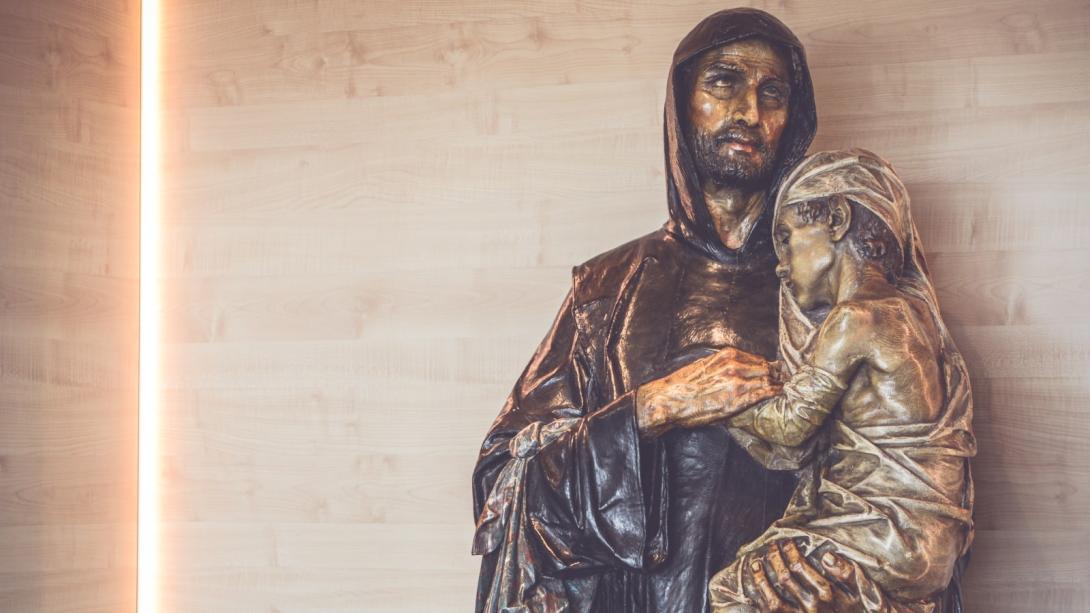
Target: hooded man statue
(608, 482)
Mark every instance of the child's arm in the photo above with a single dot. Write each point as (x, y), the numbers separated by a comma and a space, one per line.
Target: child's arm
(792, 416)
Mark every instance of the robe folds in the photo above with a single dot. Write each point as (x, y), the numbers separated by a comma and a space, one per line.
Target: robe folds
(575, 510)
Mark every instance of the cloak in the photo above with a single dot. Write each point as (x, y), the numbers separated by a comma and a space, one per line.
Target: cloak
(574, 511)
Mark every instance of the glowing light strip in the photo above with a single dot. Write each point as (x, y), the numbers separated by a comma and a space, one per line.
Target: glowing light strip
(147, 548)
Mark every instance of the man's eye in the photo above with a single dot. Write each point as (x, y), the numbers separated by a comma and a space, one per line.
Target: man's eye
(722, 80)
(774, 94)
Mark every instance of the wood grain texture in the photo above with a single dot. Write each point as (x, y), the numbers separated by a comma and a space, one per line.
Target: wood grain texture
(69, 241)
(373, 209)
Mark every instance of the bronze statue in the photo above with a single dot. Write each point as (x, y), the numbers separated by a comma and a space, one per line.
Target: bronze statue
(611, 481)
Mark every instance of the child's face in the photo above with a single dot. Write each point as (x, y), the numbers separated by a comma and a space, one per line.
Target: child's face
(807, 253)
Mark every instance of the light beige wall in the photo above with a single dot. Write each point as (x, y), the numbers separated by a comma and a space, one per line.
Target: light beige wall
(68, 305)
(373, 208)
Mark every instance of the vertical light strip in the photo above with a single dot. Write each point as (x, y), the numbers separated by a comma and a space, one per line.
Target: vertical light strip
(147, 576)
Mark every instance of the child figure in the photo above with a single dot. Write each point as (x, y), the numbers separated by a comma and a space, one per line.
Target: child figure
(877, 403)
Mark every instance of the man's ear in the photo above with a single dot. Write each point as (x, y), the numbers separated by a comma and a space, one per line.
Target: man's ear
(840, 218)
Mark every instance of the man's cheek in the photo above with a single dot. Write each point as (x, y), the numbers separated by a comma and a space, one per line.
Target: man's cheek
(774, 131)
(705, 110)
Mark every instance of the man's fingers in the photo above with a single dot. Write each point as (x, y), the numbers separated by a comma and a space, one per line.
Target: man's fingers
(749, 587)
(757, 390)
(837, 567)
(735, 354)
(735, 370)
(770, 600)
(730, 401)
(722, 368)
(733, 399)
(738, 362)
(801, 568)
(786, 582)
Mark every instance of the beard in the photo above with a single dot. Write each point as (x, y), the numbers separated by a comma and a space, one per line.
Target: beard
(742, 170)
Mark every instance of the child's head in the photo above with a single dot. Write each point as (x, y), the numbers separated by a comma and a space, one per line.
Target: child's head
(812, 236)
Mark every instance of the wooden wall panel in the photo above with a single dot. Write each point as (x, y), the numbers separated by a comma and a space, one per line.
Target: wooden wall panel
(373, 208)
(69, 113)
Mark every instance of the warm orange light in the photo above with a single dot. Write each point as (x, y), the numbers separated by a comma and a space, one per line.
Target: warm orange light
(147, 576)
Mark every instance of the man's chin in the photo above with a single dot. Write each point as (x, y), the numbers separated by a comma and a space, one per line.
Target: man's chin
(733, 173)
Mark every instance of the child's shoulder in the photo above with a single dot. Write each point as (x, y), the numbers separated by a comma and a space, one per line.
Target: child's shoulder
(864, 318)
(854, 314)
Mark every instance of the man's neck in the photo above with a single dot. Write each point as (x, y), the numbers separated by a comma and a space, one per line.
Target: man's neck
(734, 210)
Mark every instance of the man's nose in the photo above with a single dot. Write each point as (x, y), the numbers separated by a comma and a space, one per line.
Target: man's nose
(746, 111)
(783, 271)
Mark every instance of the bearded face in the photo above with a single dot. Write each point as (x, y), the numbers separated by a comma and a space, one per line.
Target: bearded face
(737, 112)
(724, 164)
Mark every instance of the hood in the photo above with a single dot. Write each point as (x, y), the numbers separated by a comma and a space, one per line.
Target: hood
(690, 220)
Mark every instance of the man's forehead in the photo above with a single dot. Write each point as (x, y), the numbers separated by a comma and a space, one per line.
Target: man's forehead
(754, 52)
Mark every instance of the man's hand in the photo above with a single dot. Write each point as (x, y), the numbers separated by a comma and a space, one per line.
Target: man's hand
(782, 580)
(705, 391)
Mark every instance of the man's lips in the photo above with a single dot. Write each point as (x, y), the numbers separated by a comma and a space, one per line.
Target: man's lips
(741, 143)
(737, 145)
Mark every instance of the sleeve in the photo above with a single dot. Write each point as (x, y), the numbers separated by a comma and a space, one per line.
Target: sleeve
(573, 499)
(791, 417)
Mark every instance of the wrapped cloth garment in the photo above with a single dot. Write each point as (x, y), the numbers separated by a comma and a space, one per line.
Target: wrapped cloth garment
(894, 500)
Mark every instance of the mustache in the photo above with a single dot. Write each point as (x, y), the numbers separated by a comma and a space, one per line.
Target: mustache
(741, 135)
